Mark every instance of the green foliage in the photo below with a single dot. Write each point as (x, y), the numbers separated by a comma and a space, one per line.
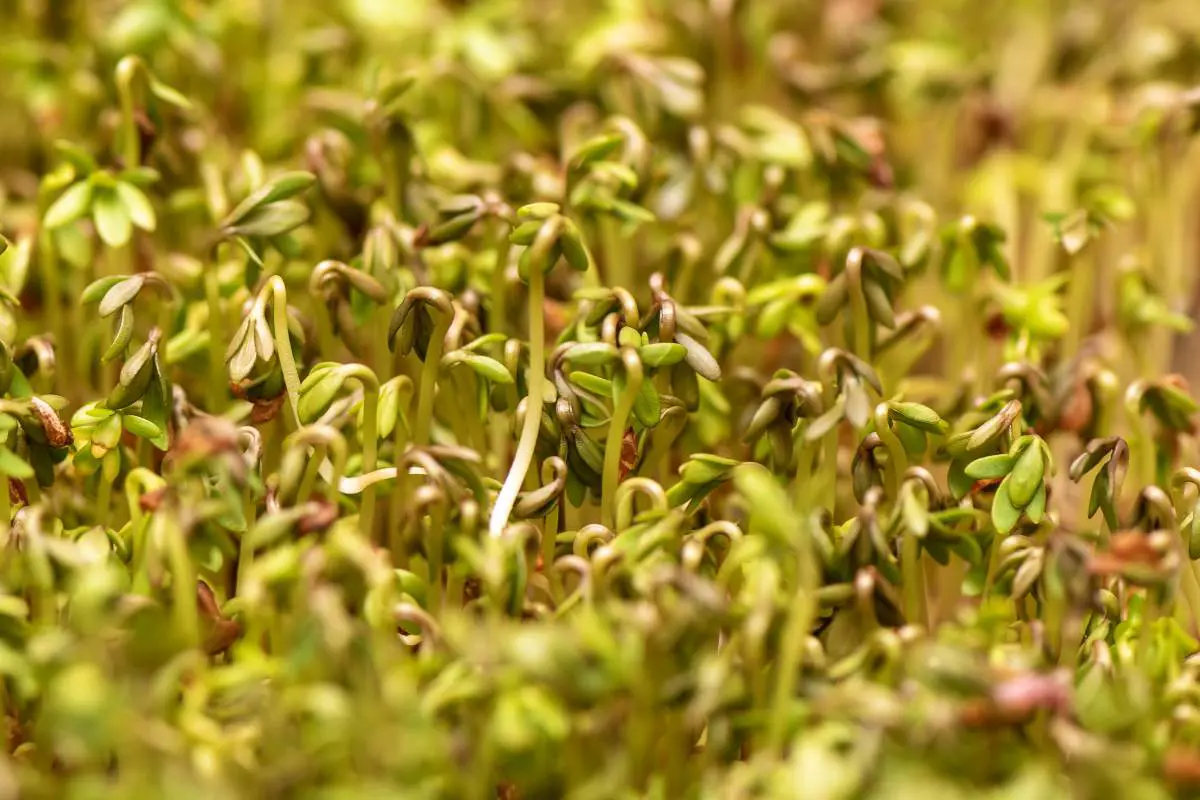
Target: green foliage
(523, 398)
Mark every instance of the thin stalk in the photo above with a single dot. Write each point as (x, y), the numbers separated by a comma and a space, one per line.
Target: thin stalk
(533, 411)
(859, 318)
(109, 467)
(434, 547)
(897, 462)
(183, 579)
(429, 376)
(309, 479)
(370, 441)
(139, 481)
(5, 508)
(245, 552)
(216, 349)
(498, 323)
(126, 69)
(616, 434)
(619, 269)
(801, 612)
(399, 493)
(51, 287)
(993, 564)
(549, 539)
(283, 343)
(911, 577)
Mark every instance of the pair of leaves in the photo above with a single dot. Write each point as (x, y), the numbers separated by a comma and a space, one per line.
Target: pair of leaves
(1113, 454)
(1023, 471)
(116, 207)
(879, 277)
(968, 245)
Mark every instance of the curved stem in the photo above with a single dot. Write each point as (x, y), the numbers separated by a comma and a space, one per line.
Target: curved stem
(429, 376)
(897, 462)
(533, 410)
(859, 319)
(309, 479)
(370, 445)
(283, 343)
(616, 435)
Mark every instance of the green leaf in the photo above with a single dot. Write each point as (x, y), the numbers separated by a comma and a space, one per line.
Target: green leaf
(99, 288)
(120, 294)
(283, 187)
(592, 383)
(122, 338)
(169, 95)
(487, 368)
(595, 149)
(647, 406)
(1004, 513)
(990, 467)
(574, 249)
(271, 220)
(770, 509)
(918, 416)
(1037, 506)
(70, 205)
(1026, 475)
(138, 206)
(316, 400)
(112, 218)
(662, 354)
(13, 466)
(243, 359)
(592, 354)
(140, 426)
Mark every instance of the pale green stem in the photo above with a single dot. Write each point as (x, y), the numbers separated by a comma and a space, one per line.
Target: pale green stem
(616, 435)
(309, 479)
(5, 508)
(216, 349)
(370, 441)
(183, 580)
(523, 457)
(429, 377)
(52, 287)
(801, 612)
(897, 462)
(283, 343)
(130, 141)
(435, 545)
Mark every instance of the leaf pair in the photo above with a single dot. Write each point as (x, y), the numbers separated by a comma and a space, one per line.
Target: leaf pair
(141, 375)
(116, 205)
(913, 423)
(871, 273)
(969, 245)
(699, 476)
(268, 214)
(785, 400)
(115, 294)
(1111, 455)
(1022, 472)
(546, 236)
